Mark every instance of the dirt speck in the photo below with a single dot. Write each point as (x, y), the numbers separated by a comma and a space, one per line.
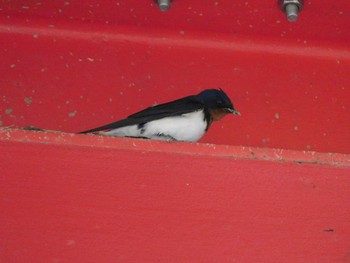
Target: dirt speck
(28, 101)
(8, 111)
(72, 114)
(277, 116)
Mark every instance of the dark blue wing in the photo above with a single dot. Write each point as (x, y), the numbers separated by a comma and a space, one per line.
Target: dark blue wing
(173, 108)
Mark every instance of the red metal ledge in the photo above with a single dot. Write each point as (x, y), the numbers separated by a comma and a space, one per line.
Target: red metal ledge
(79, 198)
(238, 152)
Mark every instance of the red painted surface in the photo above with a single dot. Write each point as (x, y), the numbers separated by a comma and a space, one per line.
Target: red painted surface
(70, 66)
(76, 198)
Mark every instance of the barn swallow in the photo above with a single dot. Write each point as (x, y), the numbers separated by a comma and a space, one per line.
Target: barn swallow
(185, 119)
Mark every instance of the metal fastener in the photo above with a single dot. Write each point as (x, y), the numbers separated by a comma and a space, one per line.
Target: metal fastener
(292, 8)
(163, 5)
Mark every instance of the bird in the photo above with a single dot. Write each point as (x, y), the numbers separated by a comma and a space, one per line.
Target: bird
(185, 119)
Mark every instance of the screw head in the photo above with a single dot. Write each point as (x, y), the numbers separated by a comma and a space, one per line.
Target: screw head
(163, 5)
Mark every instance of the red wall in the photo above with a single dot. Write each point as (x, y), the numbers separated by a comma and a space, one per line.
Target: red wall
(70, 66)
(273, 185)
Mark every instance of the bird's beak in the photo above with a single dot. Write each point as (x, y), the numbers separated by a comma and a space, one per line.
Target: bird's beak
(233, 111)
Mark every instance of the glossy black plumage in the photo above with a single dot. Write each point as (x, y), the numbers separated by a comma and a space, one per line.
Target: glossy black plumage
(206, 100)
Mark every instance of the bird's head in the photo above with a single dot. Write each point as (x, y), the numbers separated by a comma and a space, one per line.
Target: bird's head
(218, 103)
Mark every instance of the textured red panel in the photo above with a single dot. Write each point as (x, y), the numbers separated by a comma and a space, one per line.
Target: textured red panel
(64, 67)
(73, 65)
(76, 198)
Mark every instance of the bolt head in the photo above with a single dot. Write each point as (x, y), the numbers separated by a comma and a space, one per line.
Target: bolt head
(283, 4)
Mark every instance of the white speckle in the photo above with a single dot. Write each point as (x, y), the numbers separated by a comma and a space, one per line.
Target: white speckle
(277, 116)
(132, 84)
(25, 7)
(182, 32)
(66, 3)
(72, 114)
(71, 242)
(35, 35)
(91, 59)
(296, 128)
(12, 65)
(278, 21)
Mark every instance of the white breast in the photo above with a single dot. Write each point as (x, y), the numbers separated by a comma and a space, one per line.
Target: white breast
(188, 127)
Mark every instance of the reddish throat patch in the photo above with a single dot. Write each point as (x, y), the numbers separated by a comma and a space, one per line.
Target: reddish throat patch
(218, 114)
